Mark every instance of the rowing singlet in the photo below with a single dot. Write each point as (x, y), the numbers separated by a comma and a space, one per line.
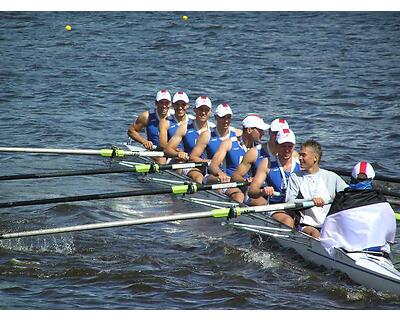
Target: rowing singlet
(173, 126)
(261, 154)
(278, 179)
(234, 157)
(152, 131)
(191, 136)
(215, 141)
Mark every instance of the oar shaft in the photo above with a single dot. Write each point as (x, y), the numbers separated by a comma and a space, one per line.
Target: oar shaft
(216, 213)
(178, 189)
(65, 173)
(102, 152)
(144, 168)
(99, 196)
(105, 225)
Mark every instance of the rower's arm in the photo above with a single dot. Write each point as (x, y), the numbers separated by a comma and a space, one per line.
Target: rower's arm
(171, 149)
(245, 166)
(135, 128)
(163, 133)
(201, 144)
(219, 157)
(255, 190)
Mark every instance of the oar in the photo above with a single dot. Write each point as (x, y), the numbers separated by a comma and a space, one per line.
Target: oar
(377, 176)
(177, 189)
(113, 152)
(143, 168)
(216, 213)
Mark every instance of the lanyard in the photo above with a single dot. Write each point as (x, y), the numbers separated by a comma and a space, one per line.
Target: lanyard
(284, 177)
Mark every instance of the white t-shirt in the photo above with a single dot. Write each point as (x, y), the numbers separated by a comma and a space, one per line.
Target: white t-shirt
(324, 184)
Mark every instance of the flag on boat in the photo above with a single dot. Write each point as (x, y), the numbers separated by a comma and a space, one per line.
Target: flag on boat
(357, 220)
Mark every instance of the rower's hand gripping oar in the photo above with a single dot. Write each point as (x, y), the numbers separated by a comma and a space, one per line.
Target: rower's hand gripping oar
(176, 189)
(216, 213)
(140, 168)
(114, 152)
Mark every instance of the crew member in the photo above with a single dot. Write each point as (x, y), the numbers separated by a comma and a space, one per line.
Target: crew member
(209, 141)
(231, 151)
(188, 133)
(150, 120)
(169, 125)
(274, 172)
(253, 157)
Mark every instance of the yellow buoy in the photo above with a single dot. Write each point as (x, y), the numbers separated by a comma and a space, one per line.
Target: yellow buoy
(68, 27)
(185, 17)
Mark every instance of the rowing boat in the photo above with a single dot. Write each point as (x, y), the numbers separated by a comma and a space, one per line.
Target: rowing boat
(371, 270)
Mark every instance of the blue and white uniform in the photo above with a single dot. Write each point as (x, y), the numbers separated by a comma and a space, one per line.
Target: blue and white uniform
(152, 128)
(192, 134)
(173, 126)
(216, 140)
(234, 157)
(278, 178)
(261, 154)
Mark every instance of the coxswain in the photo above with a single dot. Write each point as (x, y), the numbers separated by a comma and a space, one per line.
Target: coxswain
(360, 218)
(313, 183)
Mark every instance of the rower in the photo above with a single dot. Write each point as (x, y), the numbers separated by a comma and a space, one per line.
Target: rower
(275, 172)
(209, 141)
(253, 157)
(150, 120)
(188, 133)
(231, 151)
(169, 125)
(360, 218)
(315, 183)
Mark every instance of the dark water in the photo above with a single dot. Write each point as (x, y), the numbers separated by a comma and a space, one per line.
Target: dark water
(333, 76)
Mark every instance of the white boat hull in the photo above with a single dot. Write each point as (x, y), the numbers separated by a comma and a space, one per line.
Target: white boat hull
(371, 271)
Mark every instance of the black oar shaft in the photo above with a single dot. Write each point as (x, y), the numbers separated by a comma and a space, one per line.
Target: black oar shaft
(98, 196)
(179, 189)
(136, 168)
(65, 173)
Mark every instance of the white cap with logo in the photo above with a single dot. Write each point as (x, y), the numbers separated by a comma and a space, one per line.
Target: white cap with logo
(278, 124)
(223, 109)
(203, 101)
(163, 94)
(363, 167)
(254, 121)
(180, 96)
(285, 135)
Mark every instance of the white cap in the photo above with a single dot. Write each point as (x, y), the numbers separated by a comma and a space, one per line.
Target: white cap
(163, 94)
(279, 124)
(203, 101)
(363, 167)
(285, 135)
(223, 109)
(254, 121)
(180, 96)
